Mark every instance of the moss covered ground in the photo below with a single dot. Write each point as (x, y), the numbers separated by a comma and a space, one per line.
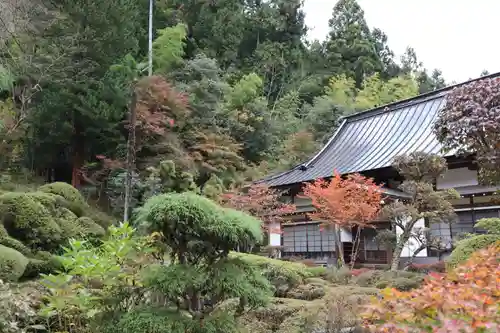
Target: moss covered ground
(316, 299)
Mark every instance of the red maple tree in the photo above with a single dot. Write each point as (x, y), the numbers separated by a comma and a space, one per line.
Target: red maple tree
(261, 201)
(345, 203)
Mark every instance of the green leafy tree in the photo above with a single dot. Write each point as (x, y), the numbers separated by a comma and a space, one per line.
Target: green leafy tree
(419, 170)
(168, 48)
(80, 45)
(201, 275)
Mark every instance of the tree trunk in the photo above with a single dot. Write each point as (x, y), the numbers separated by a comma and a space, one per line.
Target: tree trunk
(130, 154)
(355, 247)
(339, 249)
(78, 152)
(401, 241)
(413, 256)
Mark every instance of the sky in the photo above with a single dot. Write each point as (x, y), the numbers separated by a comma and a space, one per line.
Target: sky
(458, 37)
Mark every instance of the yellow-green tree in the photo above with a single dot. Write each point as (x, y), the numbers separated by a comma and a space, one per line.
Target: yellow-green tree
(374, 91)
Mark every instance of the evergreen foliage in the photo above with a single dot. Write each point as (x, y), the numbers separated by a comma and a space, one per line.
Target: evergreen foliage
(420, 170)
(236, 87)
(12, 264)
(466, 247)
(201, 274)
(44, 220)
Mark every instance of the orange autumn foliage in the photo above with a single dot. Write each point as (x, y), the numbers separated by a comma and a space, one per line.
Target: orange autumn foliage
(465, 300)
(353, 201)
(261, 201)
(157, 105)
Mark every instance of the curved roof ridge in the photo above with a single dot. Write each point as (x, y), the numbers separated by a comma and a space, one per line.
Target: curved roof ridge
(417, 99)
(382, 130)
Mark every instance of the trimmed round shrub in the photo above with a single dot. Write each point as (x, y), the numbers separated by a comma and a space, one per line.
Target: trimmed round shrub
(466, 247)
(101, 218)
(42, 263)
(404, 284)
(194, 219)
(76, 202)
(306, 292)
(12, 264)
(3, 232)
(438, 267)
(8, 241)
(318, 271)
(491, 225)
(283, 275)
(35, 267)
(369, 278)
(90, 227)
(342, 275)
(16, 245)
(48, 200)
(67, 221)
(29, 221)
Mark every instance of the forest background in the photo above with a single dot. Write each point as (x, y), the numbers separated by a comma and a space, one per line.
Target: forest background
(237, 90)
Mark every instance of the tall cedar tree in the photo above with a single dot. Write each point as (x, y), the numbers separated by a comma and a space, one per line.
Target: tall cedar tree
(351, 46)
(345, 204)
(470, 123)
(420, 171)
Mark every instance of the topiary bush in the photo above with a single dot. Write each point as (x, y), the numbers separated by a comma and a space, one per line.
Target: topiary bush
(42, 263)
(200, 235)
(401, 280)
(90, 227)
(369, 278)
(283, 275)
(404, 284)
(438, 267)
(101, 218)
(318, 271)
(307, 292)
(16, 245)
(466, 247)
(491, 225)
(341, 275)
(76, 202)
(12, 264)
(67, 221)
(28, 221)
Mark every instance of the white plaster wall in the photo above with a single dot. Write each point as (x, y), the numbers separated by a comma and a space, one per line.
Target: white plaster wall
(275, 234)
(345, 236)
(411, 245)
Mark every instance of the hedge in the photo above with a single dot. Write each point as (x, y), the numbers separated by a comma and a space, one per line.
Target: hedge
(12, 264)
(29, 221)
(467, 246)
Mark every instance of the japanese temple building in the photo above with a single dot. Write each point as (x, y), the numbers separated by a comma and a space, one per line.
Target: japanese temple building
(367, 143)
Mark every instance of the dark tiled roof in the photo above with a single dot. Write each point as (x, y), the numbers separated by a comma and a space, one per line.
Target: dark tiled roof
(370, 140)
